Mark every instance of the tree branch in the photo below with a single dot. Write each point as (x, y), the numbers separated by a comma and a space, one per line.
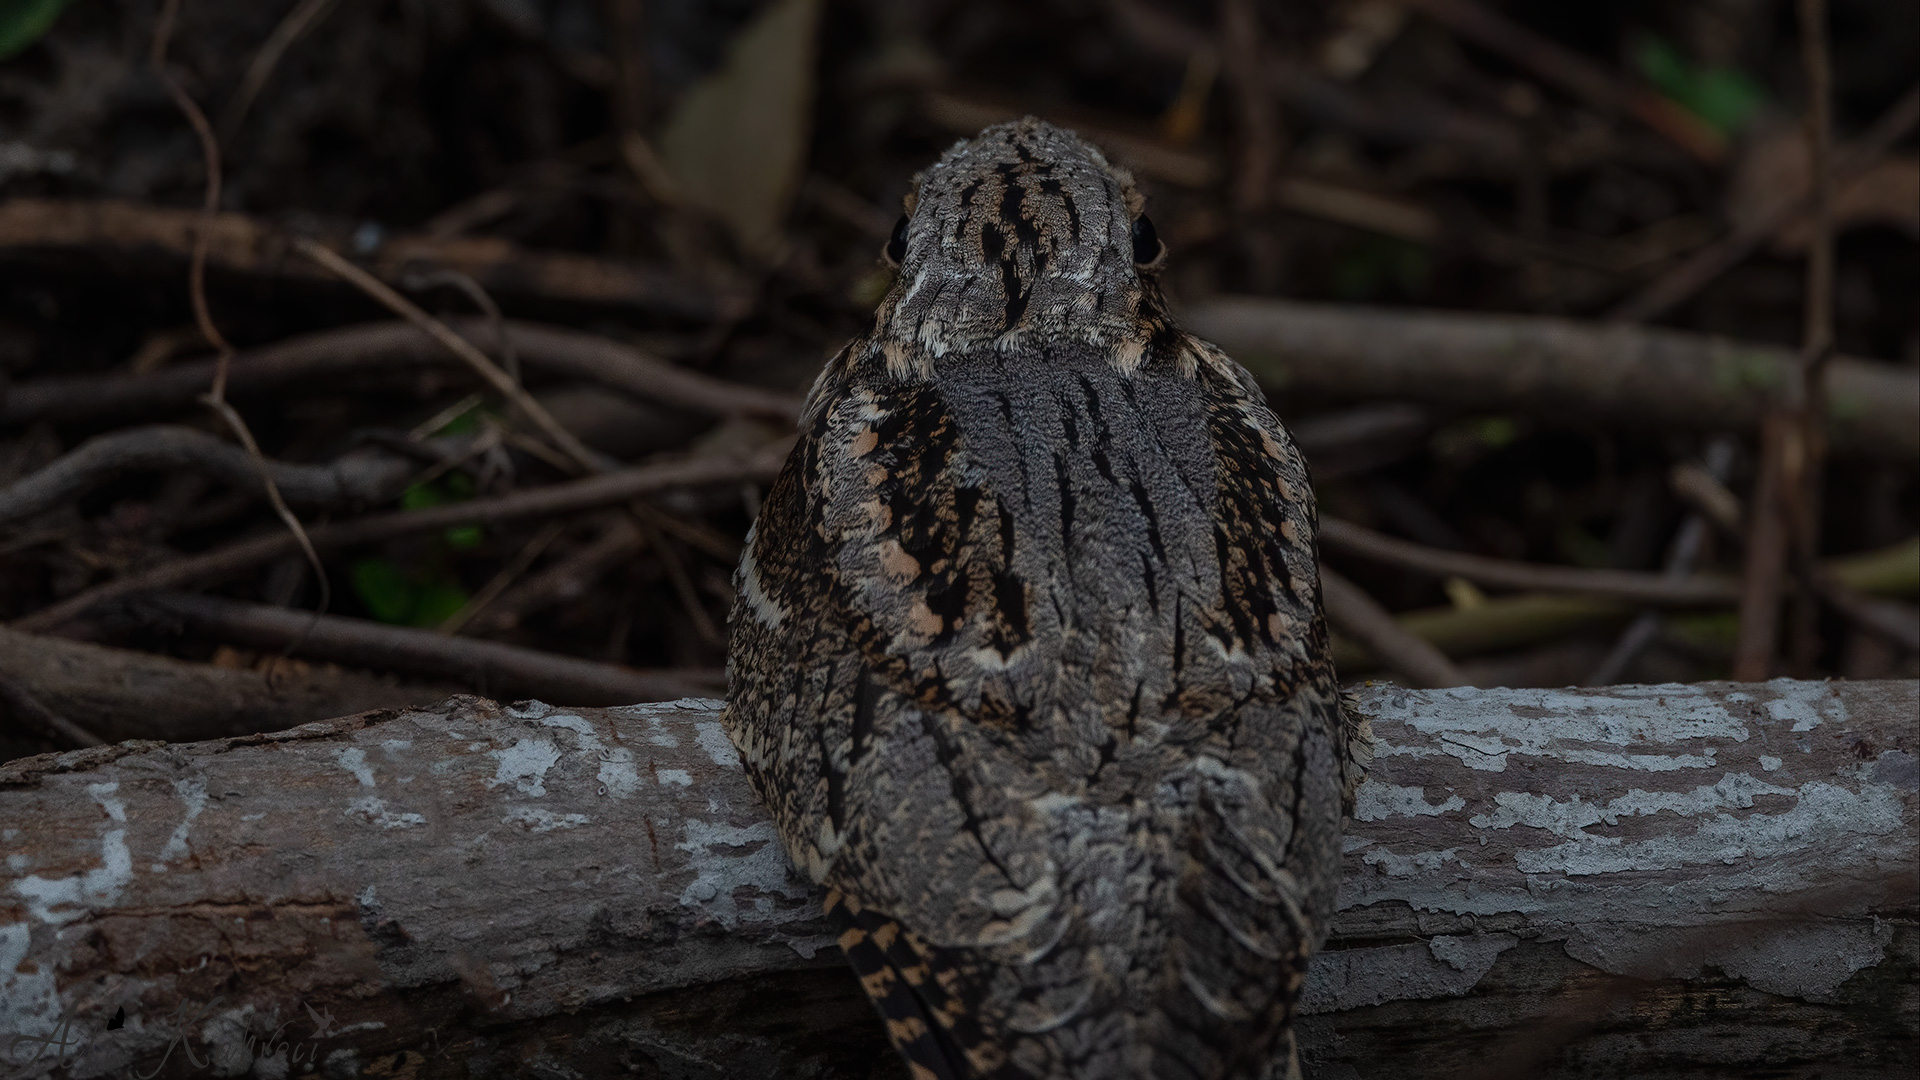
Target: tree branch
(471, 890)
(590, 493)
(381, 346)
(361, 476)
(1558, 368)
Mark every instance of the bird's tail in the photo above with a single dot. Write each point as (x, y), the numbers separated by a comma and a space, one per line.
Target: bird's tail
(928, 1023)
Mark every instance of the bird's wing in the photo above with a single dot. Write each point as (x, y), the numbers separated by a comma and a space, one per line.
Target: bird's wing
(962, 590)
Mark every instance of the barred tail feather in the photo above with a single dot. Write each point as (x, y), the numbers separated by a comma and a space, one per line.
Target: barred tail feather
(874, 944)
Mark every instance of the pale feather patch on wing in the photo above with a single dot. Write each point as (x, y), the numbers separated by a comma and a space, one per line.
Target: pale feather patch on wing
(765, 610)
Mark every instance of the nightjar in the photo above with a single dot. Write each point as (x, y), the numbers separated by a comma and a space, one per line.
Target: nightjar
(1028, 660)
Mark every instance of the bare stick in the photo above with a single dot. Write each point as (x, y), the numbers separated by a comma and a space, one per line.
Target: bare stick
(507, 576)
(1651, 589)
(381, 345)
(1574, 74)
(359, 476)
(1553, 367)
(1682, 554)
(31, 711)
(567, 578)
(304, 17)
(459, 346)
(1678, 284)
(1767, 545)
(1804, 474)
(1359, 616)
(1895, 621)
(216, 398)
(135, 695)
(596, 491)
(254, 247)
(491, 666)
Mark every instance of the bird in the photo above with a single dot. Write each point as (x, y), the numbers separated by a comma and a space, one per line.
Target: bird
(1027, 658)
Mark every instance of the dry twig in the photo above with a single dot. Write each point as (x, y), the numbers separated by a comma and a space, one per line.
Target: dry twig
(1675, 286)
(1574, 74)
(1554, 367)
(1682, 554)
(30, 711)
(362, 476)
(1359, 616)
(136, 695)
(489, 666)
(1655, 590)
(380, 346)
(589, 493)
(568, 578)
(243, 244)
(504, 384)
(216, 398)
(303, 17)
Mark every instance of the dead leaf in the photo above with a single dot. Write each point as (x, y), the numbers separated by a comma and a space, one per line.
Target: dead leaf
(1773, 171)
(737, 142)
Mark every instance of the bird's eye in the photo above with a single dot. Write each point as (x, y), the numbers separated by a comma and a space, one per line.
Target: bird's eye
(897, 243)
(1146, 240)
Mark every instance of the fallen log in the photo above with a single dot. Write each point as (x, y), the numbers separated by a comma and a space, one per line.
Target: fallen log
(122, 694)
(1560, 368)
(1649, 881)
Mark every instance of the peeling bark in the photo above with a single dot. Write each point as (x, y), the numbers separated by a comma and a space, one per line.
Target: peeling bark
(1673, 880)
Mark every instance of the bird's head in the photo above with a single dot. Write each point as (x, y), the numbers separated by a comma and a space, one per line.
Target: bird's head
(1023, 235)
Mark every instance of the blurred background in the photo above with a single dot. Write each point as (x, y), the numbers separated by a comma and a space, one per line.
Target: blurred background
(648, 222)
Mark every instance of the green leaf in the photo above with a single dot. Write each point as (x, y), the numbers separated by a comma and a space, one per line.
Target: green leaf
(1495, 432)
(1725, 98)
(1584, 548)
(1377, 266)
(457, 487)
(435, 602)
(23, 22)
(396, 597)
(384, 590)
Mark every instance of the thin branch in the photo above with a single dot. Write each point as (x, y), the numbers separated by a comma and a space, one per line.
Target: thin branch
(380, 346)
(588, 460)
(592, 492)
(126, 694)
(1654, 590)
(1553, 367)
(32, 712)
(567, 578)
(648, 519)
(305, 16)
(245, 244)
(487, 665)
(1895, 621)
(1359, 616)
(360, 476)
(1680, 283)
(1768, 538)
(1682, 554)
(1804, 472)
(216, 398)
(499, 583)
(1575, 74)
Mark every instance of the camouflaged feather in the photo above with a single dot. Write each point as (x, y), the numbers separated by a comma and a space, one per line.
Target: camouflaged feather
(1028, 660)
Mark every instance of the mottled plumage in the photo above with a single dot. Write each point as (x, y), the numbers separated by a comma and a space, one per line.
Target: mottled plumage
(1028, 661)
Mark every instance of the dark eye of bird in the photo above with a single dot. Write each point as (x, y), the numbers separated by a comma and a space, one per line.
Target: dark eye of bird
(1146, 241)
(897, 243)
